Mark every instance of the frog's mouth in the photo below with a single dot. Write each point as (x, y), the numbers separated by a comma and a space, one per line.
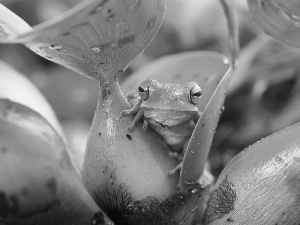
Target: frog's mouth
(169, 118)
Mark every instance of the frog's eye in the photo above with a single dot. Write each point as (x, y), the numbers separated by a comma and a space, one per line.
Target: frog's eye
(144, 92)
(195, 94)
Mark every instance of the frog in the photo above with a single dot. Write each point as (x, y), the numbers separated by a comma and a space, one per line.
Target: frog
(168, 109)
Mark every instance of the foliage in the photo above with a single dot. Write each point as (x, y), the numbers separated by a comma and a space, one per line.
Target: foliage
(123, 176)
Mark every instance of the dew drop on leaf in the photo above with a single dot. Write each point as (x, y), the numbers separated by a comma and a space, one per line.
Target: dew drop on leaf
(96, 49)
(55, 47)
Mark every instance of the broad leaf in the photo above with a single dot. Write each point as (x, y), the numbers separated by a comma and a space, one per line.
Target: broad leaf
(260, 185)
(38, 184)
(16, 87)
(97, 38)
(278, 19)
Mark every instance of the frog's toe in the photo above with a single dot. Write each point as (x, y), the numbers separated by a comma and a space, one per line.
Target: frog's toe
(176, 155)
(145, 125)
(171, 172)
(124, 113)
(130, 127)
(175, 170)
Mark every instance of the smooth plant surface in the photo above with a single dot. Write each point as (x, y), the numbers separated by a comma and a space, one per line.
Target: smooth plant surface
(279, 19)
(264, 176)
(19, 89)
(95, 38)
(124, 177)
(54, 194)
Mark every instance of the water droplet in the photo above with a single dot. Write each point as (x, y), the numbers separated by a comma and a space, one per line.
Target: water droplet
(96, 49)
(278, 159)
(151, 22)
(55, 47)
(226, 61)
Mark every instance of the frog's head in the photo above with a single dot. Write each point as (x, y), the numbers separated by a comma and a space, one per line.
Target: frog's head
(171, 97)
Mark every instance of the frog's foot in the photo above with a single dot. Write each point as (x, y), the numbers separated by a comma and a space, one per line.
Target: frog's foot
(175, 170)
(135, 109)
(137, 117)
(194, 186)
(130, 127)
(126, 113)
(145, 125)
(176, 155)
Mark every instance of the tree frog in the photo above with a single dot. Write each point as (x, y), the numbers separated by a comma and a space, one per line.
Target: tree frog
(169, 109)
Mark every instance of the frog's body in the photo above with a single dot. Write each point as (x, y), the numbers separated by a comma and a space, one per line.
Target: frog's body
(169, 109)
(174, 128)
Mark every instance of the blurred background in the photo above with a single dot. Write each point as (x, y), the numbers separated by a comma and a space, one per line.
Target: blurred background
(264, 96)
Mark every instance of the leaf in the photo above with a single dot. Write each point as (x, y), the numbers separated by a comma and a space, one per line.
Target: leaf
(278, 19)
(205, 68)
(260, 185)
(18, 88)
(97, 38)
(11, 25)
(38, 184)
(199, 145)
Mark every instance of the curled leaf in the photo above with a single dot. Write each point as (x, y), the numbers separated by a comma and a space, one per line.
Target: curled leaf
(278, 19)
(199, 145)
(38, 184)
(11, 25)
(260, 185)
(96, 38)
(18, 88)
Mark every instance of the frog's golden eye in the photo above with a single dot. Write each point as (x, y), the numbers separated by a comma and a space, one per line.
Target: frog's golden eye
(195, 94)
(144, 92)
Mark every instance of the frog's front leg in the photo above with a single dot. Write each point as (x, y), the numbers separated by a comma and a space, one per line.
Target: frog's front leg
(137, 117)
(178, 156)
(135, 109)
(173, 171)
